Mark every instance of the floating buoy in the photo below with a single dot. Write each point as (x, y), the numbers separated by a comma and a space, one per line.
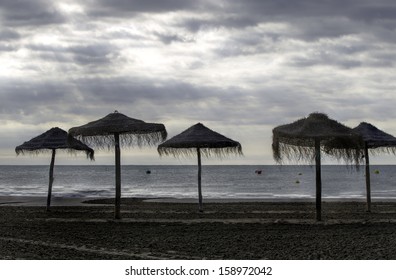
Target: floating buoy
(258, 172)
(297, 182)
(148, 172)
(300, 173)
(376, 172)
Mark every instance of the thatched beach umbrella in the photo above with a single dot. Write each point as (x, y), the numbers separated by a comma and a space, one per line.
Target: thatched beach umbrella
(378, 141)
(198, 139)
(50, 141)
(304, 139)
(116, 130)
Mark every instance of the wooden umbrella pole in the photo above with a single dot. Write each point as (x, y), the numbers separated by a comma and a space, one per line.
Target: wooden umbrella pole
(199, 180)
(318, 181)
(117, 207)
(368, 187)
(51, 179)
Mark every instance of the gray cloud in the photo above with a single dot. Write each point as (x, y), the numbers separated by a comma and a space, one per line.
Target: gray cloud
(310, 20)
(323, 58)
(129, 90)
(9, 35)
(124, 8)
(308, 8)
(172, 38)
(7, 48)
(93, 54)
(29, 98)
(27, 13)
(222, 20)
(82, 54)
(376, 11)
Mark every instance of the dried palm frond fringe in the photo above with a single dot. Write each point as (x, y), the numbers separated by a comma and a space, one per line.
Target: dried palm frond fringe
(376, 138)
(130, 139)
(383, 150)
(200, 137)
(132, 132)
(89, 154)
(53, 139)
(296, 141)
(220, 152)
(283, 152)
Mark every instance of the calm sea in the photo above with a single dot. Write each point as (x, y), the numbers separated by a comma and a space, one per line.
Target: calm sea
(241, 182)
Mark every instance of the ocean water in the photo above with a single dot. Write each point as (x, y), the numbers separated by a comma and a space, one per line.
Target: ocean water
(239, 182)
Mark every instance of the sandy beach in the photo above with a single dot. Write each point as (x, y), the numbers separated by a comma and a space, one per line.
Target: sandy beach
(174, 229)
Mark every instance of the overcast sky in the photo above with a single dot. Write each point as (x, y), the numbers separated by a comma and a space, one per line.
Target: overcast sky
(241, 67)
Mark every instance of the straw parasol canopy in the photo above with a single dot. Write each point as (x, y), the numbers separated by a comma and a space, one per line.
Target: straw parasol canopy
(377, 141)
(198, 139)
(50, 141)
(116, 130)
(304, 139)
(375, 138)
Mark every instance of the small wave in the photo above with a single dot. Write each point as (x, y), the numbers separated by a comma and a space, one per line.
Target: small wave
(180, 181)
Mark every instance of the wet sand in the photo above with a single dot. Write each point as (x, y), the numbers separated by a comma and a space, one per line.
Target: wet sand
(169, 229)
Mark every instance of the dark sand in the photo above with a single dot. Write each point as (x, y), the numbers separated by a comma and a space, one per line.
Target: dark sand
(158, 230)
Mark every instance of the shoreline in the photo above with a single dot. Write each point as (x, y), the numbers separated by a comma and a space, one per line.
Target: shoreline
(88, 201)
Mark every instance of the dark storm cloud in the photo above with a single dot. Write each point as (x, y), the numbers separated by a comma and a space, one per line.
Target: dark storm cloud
(30, 101)
(29, 98)
(114, 8)
(376, 11)
(178, 100)
(92, 54)
(6, 48)
(8, 40)
(324, 27)
(384, 59)
(153, 6)
(230, 21)
(9, 35)
(310, 20)
(172, 38)
(309, 8)
(244, 13)
(29, 13)
(17, 94)
(128, 90)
